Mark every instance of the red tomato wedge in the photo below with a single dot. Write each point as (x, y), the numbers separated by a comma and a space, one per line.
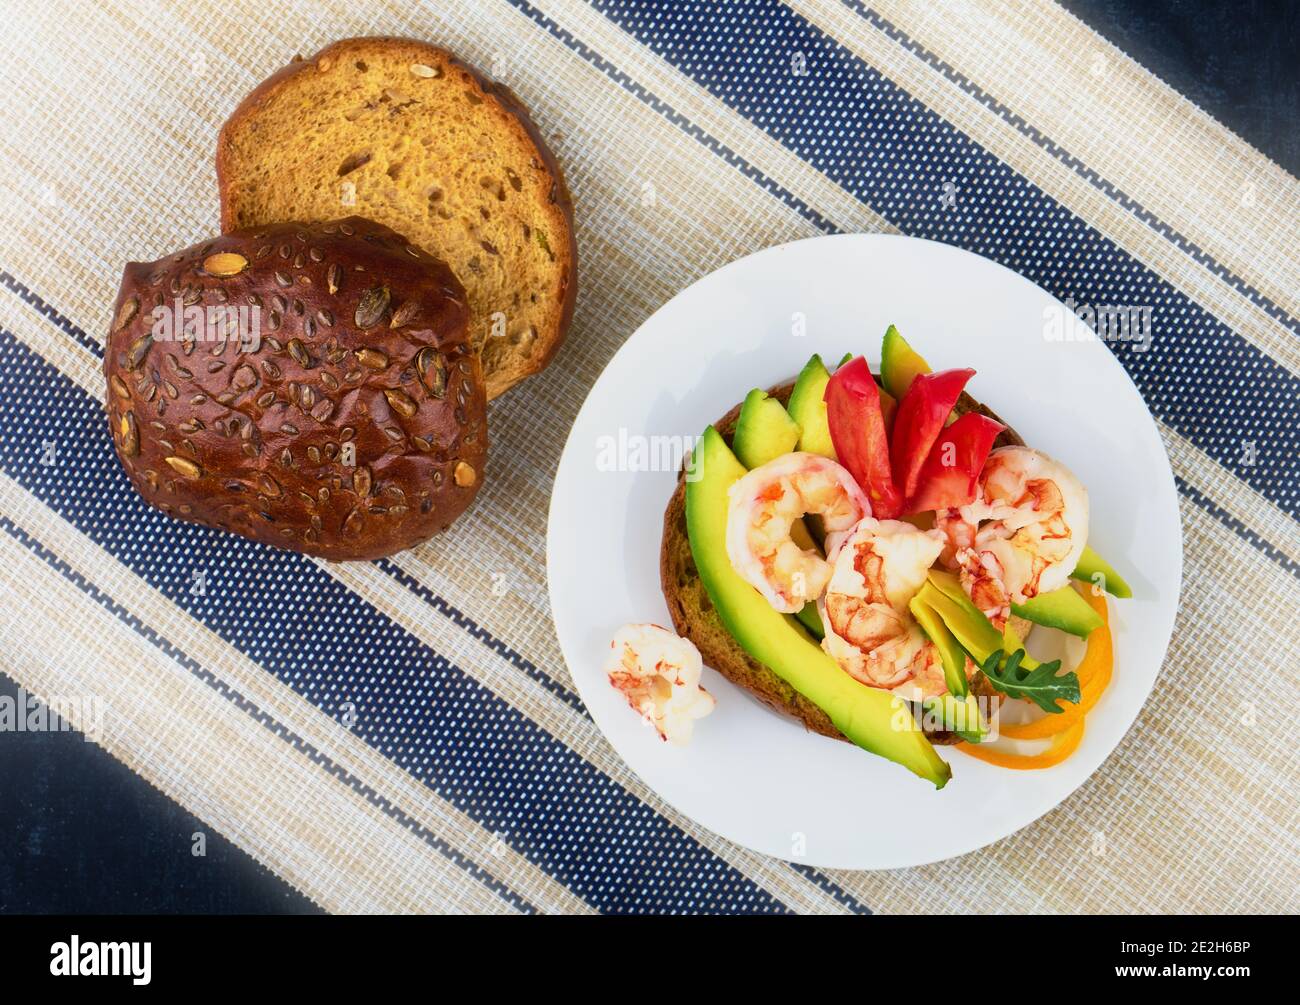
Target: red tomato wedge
(919, 421)
(858, 432)
(950, 474)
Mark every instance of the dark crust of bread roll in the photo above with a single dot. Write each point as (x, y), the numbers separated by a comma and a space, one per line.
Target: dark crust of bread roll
(351, 425)
(694, 617)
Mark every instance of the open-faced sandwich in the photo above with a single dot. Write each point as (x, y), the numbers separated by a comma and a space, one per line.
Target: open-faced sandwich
(868, 553)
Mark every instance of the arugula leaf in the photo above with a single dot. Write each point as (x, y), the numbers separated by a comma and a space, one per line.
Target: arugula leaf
(1042, 685)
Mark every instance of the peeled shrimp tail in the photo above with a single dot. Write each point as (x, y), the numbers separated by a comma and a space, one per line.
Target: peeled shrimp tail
(1022, 536)
(870, 632)
(763, 507)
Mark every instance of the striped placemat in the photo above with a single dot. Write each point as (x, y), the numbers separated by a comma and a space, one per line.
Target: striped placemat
(404, 735)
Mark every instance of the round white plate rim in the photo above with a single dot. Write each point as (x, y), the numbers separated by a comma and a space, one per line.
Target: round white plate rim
(586, 683)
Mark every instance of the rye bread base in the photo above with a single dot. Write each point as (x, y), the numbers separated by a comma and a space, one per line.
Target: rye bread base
(695, 618)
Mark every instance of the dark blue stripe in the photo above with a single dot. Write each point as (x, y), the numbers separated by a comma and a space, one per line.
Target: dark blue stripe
(64, 325)
(690, 128)
(1045, 142)
(462, 620)
(784, 195)
(418, 589)
(876, 141)
(516, 659)
(840, 895)
(390, 568)
(717, 147)
(411, 704)
(241, 702)
(1237, 527)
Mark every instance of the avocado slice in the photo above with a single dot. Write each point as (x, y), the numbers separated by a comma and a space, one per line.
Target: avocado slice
(950, 650)
(1011, 642)
(899, 363)
(1063, 609)
(808, 409)
(1091, 565)
(968, 624)
(961, 715)
(958, 710)
(810, 619)
(764, 430)
(873, 719)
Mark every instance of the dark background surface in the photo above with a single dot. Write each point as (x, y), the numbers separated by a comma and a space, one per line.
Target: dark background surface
(80, 832)
(1239, 60)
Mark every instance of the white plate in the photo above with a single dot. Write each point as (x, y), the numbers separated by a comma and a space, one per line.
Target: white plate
(751, 775)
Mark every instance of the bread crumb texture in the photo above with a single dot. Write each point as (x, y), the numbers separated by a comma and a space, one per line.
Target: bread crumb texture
(402, 133)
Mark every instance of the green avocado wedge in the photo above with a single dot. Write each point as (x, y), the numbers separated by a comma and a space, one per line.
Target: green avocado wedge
(873, 719)
(969, 626)
(764, 430)
(1063, 609)
(1092, 568)
(1011, 642)
(810, 619)
(808, 409)
(958, 710)
(961, 715)
(950, 650)
(899, 363)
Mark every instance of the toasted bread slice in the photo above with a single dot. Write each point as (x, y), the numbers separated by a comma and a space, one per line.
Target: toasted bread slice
(695, 618)
(403, 133)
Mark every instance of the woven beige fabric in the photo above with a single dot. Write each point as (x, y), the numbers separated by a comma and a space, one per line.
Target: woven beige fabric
(1146, 140)
(106, 155)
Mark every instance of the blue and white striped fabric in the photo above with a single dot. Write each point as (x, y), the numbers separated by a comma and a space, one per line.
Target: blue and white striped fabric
(403, 735)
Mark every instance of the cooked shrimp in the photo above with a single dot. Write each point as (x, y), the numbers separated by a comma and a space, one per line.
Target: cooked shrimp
(877, 568)
(765, 502)
(1022, 535)
(659, 674)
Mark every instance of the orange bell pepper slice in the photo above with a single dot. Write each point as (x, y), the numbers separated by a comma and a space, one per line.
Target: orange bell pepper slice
(1063, 745)
(1098, 660)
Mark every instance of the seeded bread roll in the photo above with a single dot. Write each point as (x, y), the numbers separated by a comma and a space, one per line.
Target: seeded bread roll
(695, 617)
(341, 414)
(415, 139)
